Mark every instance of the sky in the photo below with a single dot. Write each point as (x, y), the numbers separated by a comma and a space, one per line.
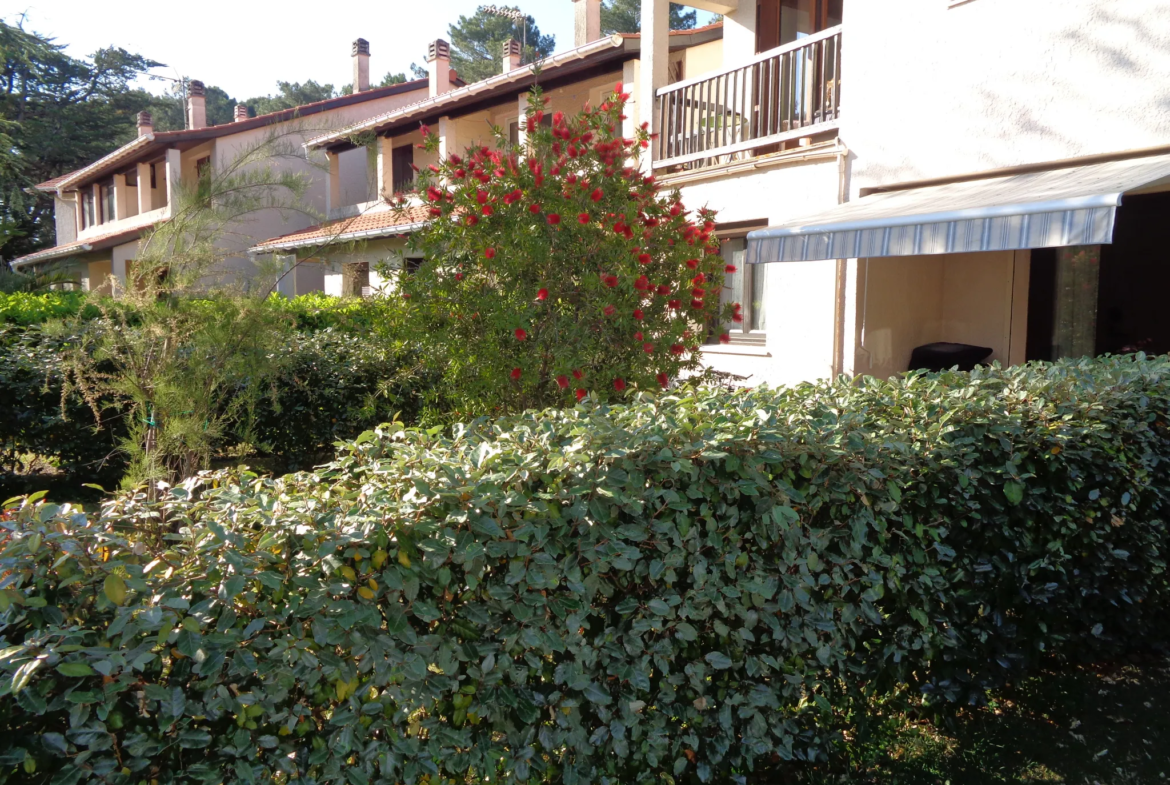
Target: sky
(246, 46)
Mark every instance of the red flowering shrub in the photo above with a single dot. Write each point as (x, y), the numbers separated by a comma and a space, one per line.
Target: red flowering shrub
(513, 301)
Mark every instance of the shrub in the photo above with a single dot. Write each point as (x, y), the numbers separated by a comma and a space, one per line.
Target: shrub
(26, 308)
(561, 274)
(688, 588)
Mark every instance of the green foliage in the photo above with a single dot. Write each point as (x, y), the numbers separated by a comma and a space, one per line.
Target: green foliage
(565, 274)
(625, 16)
(685, 589)
(290, 95)
(35, 307)
(57, 114)
(38, 419)
(477, 42)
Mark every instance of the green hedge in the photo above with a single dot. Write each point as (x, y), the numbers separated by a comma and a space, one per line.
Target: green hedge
(685, 589)
(35, 307)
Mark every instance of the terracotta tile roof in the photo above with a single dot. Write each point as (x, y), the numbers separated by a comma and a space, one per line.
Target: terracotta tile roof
(692, 31)
(51, 185)
(378, 222)
(94, 243)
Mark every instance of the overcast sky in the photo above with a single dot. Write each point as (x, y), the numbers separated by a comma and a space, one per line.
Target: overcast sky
(245, 46)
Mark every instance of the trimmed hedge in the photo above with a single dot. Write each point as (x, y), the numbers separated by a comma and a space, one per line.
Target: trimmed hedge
(26, 308)
(685, 589)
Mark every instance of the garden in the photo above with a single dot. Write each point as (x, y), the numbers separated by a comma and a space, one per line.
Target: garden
(501, 526)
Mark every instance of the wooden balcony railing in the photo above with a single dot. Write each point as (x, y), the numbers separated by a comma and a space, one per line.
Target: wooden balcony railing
(785, 93)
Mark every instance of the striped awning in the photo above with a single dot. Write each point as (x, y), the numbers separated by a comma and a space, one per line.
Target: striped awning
(1073, 205)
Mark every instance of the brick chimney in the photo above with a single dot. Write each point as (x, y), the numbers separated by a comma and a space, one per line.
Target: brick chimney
(586, 21)
(196, 105)
(145, 124)
(241, 113)
(361, 65)
(439, 65)
(511, 55)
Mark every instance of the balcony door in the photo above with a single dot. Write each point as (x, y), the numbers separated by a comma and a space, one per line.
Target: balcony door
(780, 22)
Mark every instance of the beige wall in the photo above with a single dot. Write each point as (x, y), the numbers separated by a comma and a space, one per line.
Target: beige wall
(931, 89)
(701, 59)
(960, 298)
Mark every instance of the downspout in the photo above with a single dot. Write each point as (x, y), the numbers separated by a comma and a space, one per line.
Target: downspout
(842, 273)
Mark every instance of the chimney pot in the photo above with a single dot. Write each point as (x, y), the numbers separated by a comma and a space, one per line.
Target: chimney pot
(439, 65)
(361, 65)
(145, 124)
(241, 112)
(512, 55)
(586, 21)
(196, 105)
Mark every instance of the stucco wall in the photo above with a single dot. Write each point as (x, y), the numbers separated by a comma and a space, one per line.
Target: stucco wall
(931, 90)
(801, 301)
(914, 300)
(65, 217)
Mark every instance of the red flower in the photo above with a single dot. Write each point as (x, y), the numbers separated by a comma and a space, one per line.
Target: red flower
(554, 219)
(663, 379)
(542, 295)
(676, 210)
(609, 280)
(697, 305)
(730, 269)
(435, 211)
(458, 276)
(583, 218)
(481, 197)
(471, 220)
(692, 263)
(619, 384)
(648, 348)
(597, 194)
(460, 174)
(700, 278)
(563, 382)
(581, 395)
(675, 304)
(737, 318)
(644, 258)
(609, 310)
(578, 375)
(558, 118)
(534, 208)
(489, 253)
(487, 209)
(642, 284)
(520, 334)
(698, 291)
(663, 290)
(638, 336)
(676, 348)
(725, 338)
(516, 374)
(638, 314)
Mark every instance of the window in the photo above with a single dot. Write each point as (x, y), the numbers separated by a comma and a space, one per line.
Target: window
(109, 211)
(88, 209)
(748, 285)
(780, 22)
(132, 178)
(402, 159)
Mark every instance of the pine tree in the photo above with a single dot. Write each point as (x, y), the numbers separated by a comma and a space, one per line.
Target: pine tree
(625, 16)
(477, 43)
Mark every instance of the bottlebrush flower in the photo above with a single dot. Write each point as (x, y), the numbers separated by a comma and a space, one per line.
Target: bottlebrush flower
(644, 258)
(698, 291)
(675, 304)
(642, 283)
(638, 314)
(487, 210)
(609, 280)
(725, 338)
(516, 374)
(663, 379)
(648, 348)
(481, 197)
(489, 253)
(619, 384)
(692, 263)
(458, 276)
(638, 336)
(471, 220)
(676, 210)
(700, 278)
(597, 195)
(697, 305)
(737, 318)
(581, 394)
(554, 219)
(662, 290)
(583, 218)
(563, 382)
(520, 334)
(534, 208)
(730, 269)
(676, 348)
(578, 375)
(609, 310)
(542, 295)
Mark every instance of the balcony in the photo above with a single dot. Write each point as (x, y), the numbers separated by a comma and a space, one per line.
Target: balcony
(786, 93)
